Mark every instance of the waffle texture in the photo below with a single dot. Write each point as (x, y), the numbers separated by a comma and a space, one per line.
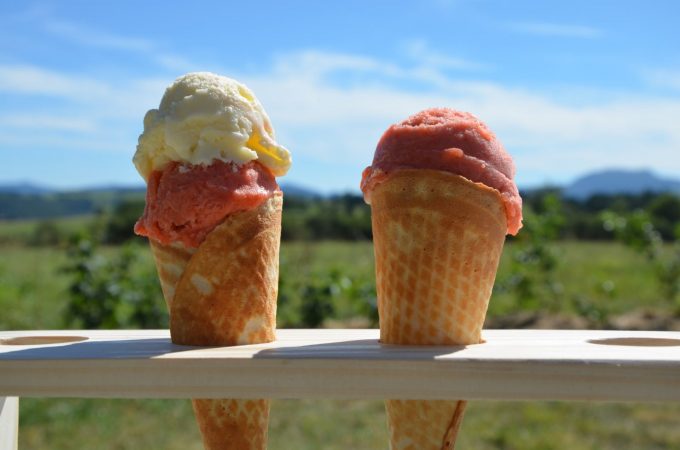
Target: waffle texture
(224, 293)
(437, 238)
(232, 424)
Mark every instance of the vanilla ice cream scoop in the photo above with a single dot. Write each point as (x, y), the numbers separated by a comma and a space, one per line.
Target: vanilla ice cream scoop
(204, 117)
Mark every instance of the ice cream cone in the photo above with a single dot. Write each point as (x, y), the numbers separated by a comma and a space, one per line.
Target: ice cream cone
(232, 424)
(170, 263)
(224, 293)
(438, 238)
(227, 293)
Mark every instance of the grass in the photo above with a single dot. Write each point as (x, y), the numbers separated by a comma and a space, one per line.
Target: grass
(604, 275)
(20, 231)
(335, 425)
(33, 293)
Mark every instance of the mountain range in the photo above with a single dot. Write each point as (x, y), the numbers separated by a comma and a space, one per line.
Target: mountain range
(610, 181)
(28, 188)
(28, 200)
(615, 181)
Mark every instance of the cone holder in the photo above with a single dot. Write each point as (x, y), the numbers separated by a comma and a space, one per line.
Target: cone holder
(572, 365)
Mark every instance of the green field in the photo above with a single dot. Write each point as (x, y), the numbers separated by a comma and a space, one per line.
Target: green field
(33, 291)
(603, 277)
(335, 425)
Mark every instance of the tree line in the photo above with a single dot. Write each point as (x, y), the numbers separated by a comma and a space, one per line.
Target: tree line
(347, 217)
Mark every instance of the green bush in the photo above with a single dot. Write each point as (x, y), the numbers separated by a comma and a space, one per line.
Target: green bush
(324, 295)
(112, 292)
(637, 230)
(46, 233)
(535, 261)
(119, 223)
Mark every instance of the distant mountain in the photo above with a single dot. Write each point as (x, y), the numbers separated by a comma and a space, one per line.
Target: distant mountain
(31, 201)
(25, 200)
(28, 188)
(620, 182)
(298, 191)
(24, 188)
(115, 188)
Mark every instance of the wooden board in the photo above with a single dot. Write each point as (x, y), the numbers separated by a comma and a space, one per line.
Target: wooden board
(9, 423)
(510, 365)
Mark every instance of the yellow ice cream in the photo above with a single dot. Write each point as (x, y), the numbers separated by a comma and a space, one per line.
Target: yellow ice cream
(203, 117)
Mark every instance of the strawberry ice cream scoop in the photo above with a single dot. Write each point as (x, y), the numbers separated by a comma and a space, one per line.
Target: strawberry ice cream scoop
(185, 202)
(451, 141)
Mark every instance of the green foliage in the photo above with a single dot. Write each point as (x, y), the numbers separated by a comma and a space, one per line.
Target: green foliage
(345, 217)
(62, 204)
(534, 260)
(326, 284)
(15, 206)
(326, 290)
(664, 213)
(46, 233)
(111, 292)
(536, 271)
(327, 294)
(317, 301)
(637, 231)
(119, 223)
(582, 217)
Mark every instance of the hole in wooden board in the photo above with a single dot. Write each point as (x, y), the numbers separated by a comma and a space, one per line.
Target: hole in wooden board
(638, 342)
(41, 340)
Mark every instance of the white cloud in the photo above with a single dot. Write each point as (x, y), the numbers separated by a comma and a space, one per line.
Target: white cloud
(104, 97)
(548, 137)
(42, 16)
(101, 39)
(28, 79)
(96, 38)
(421, 52)
(556, 30)
(47, 122)
(663, 78)
(334, 126)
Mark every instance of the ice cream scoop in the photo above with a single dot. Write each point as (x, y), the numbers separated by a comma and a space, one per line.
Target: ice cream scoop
(451, 141)
(184, 203)
(205, 117)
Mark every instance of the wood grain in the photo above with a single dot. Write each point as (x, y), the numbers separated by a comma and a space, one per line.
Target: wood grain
(352, 364)
(9, 423)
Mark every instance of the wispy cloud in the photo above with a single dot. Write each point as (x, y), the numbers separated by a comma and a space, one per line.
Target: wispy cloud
(419, 51)
(84, 36)
(330, 123)
(88, 114)
(43, 17)
(556, 30)
(47, 122)
(548, 137)
(28, 79)
(663, 78)
(96, 38)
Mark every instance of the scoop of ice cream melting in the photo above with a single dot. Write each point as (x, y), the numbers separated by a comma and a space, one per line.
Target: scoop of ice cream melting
(452, 141)
(205, 117)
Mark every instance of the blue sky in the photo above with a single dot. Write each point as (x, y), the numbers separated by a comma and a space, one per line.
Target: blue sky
(568, 87)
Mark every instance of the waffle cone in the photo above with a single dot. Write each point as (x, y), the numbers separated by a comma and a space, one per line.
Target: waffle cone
(438, 238)
(224, 293)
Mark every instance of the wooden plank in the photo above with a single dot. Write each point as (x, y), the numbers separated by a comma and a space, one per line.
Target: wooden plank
(9, 423)
(510, 365)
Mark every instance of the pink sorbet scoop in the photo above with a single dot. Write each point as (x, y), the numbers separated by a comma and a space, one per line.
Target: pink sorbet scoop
(451, 141)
